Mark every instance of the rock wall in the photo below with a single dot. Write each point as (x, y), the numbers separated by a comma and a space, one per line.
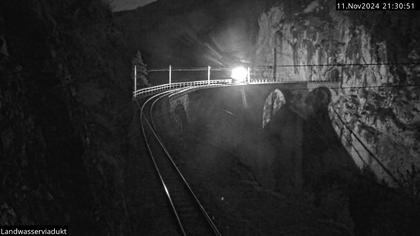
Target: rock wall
(367, 53)
(67, 152)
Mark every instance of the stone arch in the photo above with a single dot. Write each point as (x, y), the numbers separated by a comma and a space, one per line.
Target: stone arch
(274, 101)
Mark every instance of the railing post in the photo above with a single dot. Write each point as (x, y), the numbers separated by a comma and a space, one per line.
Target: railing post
(170, 74)
(275, 64)
(135, 78)
(248, 75)
(208, 74)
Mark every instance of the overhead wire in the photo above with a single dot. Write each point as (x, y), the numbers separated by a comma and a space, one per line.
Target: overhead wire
(205, 68)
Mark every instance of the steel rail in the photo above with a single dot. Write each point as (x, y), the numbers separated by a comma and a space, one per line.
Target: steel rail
(202, 209)
(144, 121)
(155, 165)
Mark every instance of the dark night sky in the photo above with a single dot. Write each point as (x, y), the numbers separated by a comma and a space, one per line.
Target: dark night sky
(121, 5)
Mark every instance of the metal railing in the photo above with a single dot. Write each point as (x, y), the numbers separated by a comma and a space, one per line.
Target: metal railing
(159, 88)
(223, 79)
(170, 85)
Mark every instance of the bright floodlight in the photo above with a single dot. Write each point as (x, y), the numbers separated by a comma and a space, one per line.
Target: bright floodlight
(239, 74)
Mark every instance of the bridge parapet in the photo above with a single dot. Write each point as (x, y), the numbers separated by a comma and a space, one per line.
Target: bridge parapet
(144, 92)
(140, 93)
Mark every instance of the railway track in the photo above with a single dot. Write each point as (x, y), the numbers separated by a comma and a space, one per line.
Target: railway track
(191, 216)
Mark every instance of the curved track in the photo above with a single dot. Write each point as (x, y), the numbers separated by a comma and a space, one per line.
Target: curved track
(190, 215)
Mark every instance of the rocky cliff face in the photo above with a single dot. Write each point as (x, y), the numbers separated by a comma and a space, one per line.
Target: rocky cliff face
(65, 111)
(378, 98)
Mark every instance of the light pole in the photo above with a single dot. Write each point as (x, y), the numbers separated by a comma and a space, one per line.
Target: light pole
(208, 74)
(135, 78)
(249, 75)
(170, 74)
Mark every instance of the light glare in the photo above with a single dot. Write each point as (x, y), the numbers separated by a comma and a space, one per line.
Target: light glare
(239, 74)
